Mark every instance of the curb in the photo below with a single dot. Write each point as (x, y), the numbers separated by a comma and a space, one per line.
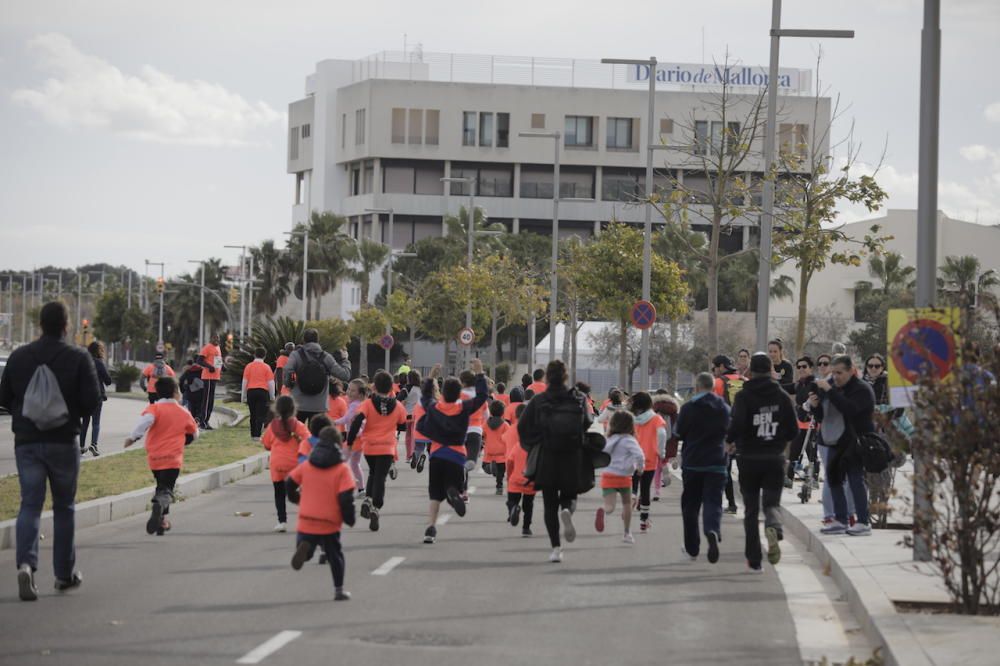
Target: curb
(881, 622)
(105, 509)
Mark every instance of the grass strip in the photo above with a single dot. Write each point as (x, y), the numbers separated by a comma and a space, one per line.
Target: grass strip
(128, 471)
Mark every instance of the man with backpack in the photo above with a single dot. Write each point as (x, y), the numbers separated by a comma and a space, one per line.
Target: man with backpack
(158, 368)
(48, 386)
(308, 374)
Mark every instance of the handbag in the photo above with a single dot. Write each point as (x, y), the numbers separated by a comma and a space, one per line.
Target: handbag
(531, 466)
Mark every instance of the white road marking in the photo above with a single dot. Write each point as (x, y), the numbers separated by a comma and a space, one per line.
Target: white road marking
(444, 519)
(269, 647)
(388, 566)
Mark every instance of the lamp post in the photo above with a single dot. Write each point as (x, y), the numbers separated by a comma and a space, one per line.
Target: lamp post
(305, 265)
(647, 244)
(767, 215)
(242, 279)
(201, 307)
(471, 182)
(159, 334)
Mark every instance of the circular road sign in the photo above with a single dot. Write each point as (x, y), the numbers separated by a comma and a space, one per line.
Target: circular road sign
(160, 347)
(643, 315)
(466, 336)
(386, 342)
(922, 346)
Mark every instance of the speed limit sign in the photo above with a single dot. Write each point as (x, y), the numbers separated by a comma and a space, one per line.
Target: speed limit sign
(466, 336)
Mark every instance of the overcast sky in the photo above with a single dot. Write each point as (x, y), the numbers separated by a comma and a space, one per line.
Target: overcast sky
(134, 130)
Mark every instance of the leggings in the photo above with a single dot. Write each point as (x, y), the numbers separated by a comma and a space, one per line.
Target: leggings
(409, 438)
(330, 543)
(354, 462)
(658, 476)
(499, 472)
(527, 506)
(553, 500)
(730, 495)
(378, 469)
(641, 484)
(279, 501)
(94, 422)
(166, 479)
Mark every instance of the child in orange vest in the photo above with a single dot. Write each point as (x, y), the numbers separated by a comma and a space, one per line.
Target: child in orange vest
(520, 491)
(282, 438)
(381, 416)
(168, 428)
(651, 431)
(495, 456)
(323, 487)
(336, 404)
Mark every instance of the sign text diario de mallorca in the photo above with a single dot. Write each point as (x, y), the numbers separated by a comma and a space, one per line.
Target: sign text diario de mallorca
(789, 80)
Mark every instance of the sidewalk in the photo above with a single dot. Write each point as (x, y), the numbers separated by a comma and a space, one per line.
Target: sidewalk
(877, 572)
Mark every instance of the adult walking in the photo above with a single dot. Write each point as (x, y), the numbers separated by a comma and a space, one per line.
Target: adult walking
(45, 441)
(702, 426)
(728, 382)
(308, 374)
(93, 422)
(210, 360)
(763, 423)
(554, 422)
(257, 391)
(846, 408)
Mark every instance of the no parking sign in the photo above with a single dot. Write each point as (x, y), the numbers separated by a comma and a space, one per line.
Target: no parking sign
(921, 342)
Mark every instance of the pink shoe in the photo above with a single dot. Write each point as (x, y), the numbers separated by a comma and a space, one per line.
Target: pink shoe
(599, 520)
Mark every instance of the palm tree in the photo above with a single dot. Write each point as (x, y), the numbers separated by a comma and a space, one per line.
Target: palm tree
(891, 272)
(368, 256)
(182, 304)
(273, 283)
(963, 276)
(329, 250)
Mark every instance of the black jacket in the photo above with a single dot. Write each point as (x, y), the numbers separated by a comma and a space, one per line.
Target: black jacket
(856, 401)
(763, 419)
(445, 429)
(77, 377)
(880, 386)
(570, 472)
(802, 390)
(702, 428)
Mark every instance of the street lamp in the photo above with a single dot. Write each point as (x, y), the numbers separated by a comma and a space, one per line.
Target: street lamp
(471, 182)
(648, 232)
(554, 280)
(767, 215)
(159, 335)
(305, 265)
(242, 279)
(201, 307)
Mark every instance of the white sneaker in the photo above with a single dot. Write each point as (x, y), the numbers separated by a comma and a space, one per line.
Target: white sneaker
(569, 532)
(628, 538)
(555, 555)
(859, 529)
(688, 557)
(281, 527)
(835, 527)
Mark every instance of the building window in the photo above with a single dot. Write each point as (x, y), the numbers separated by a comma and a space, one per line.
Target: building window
(538, 121)
(293, 143)
(355, 181)
(416, 126)
(579, 131)
(468, 128)
(368, 181)
(359, 127)
(343, 130)
(666, 126)
(620, 185)
(306, 131)
(397, 179)
(620, 134)
(491, 181)
(793, 139)
(712, 134)
(503, 130)
(485, 129)
(432, 121)
(399, 125)
(701, 137)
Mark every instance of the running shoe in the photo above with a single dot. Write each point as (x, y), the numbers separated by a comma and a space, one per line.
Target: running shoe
(26, 583)
(733, 509)
(164, 527)
(413, 462)
(75, 581)
(456, 501)
(430, 534)
(773, 547)
(393, 472)
(525, 531)
(366, 508)
(341, 595)
(281, 527)
(688, 557)
(713, 547)
(421, 461)
(373, 519)
(754, 570)
(514, 516)
(93, 450)
(628, 538)
(859, 529)
(155, 518)
(599, 519)
(835, 527)
(303, 552)
(499, 491)
(569, 532)
(645, 525)
(556, 555)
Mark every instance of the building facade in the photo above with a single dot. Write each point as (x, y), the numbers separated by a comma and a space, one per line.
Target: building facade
(382, 132)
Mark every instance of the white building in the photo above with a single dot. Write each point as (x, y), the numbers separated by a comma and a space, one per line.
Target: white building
(834, 288)
(381, 132)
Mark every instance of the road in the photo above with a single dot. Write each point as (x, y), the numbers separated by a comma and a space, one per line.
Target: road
(117, 420)
(218, 586)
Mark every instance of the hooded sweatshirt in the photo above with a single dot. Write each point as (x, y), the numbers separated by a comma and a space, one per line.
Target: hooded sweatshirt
(381, 415)
(627, 457)
(763, 419)
(327, 490)
(702, 427)
(446, 423)
(651, 431)
(495, 450)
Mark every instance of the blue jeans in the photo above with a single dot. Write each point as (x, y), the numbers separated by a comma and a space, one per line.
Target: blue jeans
(59, 464)
(95, 421)
(702, 493)
(825, 453)
(859, 492)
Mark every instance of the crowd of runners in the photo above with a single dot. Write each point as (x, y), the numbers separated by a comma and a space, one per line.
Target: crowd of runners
(336, 441)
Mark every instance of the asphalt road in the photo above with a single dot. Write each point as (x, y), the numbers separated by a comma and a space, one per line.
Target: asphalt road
(218, 586)
(118, 417)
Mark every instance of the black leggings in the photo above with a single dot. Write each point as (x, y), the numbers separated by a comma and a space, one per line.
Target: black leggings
(730, 495)
(499, 472)
(641, 483)
(258, 400)
(279, 501)
(330, 543)
(553, 500)
(378, 469)
(166, 479)
(527, 506)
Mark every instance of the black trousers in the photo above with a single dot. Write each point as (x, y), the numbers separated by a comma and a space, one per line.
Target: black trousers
(166, 479)
(499, 472)
(92, 422)
(330, 543)
(641, 484)
(730, 493)
(527, 506)
(702, 494)
(208, 397)
(378, 470)
(760, 477)
(279, 501)
(258, 400)
(553, 500)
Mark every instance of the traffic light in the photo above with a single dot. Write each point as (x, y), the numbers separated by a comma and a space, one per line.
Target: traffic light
(159, 285)
(234, 296)
(86, 326)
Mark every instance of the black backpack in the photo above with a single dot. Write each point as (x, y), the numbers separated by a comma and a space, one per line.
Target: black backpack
(563, 420)
(311, 376)
(876, 454)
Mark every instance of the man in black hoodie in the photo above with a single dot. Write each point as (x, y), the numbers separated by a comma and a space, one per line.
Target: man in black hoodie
(49, 454)
(763, 424)
(702, 427)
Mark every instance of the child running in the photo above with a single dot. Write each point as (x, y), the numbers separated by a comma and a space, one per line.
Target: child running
(495, 456)
(316, 425)
(381, 416)
(627, 458)
(446, 422)
(326, 502)
(282, 438)
(651, 431)
(168, 428)
(421, 442)
(520, 491)
(356, 393)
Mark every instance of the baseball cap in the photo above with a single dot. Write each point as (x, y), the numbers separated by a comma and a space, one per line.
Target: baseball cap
(722, 360)
(760, 362)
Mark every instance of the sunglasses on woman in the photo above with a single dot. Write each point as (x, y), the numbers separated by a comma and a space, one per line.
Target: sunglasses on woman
(802, 367)
(874, 366)
(823, 363)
